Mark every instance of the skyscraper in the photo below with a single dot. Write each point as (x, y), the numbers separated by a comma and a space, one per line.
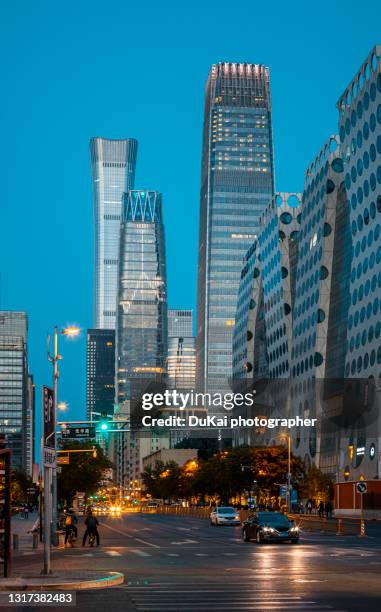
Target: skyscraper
(16, 390)
(181, 362)
(113, 172)
(237, 183)
(141, 331)
(100, 373)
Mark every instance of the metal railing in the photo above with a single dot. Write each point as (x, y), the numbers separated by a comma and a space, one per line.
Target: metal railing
(335, 526)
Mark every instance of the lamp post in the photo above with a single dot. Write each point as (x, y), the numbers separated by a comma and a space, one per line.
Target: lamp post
(71, 332)
(288, 437)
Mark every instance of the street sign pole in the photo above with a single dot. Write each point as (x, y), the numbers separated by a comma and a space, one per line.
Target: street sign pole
(49, 459)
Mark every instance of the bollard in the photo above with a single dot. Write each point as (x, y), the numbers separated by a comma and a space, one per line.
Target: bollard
(362, 533)
(35, 540)
(339, 530)
(15, 541)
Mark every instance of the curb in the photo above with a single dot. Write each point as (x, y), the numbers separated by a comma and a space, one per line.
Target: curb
(39, 584)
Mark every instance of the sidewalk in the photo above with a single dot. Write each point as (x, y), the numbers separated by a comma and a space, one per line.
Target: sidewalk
(68, 580)
(22, 527)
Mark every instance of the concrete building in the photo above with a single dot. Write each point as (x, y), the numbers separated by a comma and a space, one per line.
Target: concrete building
(180, 455)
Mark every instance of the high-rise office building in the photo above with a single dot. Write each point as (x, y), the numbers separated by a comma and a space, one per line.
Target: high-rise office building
(113, 173)
(360, 136)
(180, 323)
(237, 183)
(100, 373)
(16, 389)
(141, 331)
(262, 337)
(181, 361)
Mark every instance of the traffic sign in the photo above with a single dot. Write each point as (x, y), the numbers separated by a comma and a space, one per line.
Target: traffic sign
(361, 487)
(76, 433)
(49, 457)
(49, 417)
(64, 460)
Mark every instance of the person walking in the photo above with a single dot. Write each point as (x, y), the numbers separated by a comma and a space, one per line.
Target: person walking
(321, 509)
(328, 509)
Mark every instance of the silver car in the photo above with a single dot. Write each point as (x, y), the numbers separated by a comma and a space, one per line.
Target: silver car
(225, 515)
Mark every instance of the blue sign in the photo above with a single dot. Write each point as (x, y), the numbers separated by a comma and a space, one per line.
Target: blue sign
(294, 496)
(283, 491)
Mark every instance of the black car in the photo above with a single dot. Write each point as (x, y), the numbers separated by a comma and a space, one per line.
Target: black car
(270, 527)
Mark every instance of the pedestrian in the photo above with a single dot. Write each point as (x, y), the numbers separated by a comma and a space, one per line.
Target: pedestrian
(321, 509)
(328, 509)
(309, 506)
(26, 511)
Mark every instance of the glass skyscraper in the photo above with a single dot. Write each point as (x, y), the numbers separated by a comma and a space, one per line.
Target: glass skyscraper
(100, 373)
(113, 173)
(141, 330)
(16, 390)
(237, 183)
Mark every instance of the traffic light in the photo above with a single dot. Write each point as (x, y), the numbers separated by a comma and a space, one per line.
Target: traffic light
(104, 426)
(104, 421)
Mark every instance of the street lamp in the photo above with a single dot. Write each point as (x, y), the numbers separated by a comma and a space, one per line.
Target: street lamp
(288, 437)
(71, 331)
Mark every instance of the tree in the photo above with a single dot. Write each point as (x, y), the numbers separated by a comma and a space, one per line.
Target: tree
(163, 480)
(83, 473)
(316, 485)
(20, 483)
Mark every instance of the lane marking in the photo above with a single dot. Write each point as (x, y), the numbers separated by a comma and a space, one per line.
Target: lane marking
(128, 535)
(173, 555)
(147, 543)
(186, 542)
(139, 552)
(113, 553)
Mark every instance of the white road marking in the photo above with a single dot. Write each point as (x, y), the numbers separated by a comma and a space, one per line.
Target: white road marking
(147, 543)
(139, 552)
(173, 555)
(113, 553)
(186, 542)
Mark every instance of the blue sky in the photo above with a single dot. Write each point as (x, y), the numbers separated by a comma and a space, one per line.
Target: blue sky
(118, 69)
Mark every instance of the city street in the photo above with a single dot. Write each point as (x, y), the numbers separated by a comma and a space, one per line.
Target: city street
(178, 563)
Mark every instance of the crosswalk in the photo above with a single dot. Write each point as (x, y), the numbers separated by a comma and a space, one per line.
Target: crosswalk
(185, 597)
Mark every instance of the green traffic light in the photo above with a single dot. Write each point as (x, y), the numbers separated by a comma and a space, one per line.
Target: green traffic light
(104, 426)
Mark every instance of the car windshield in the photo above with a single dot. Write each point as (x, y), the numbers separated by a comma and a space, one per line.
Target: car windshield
(225, 510)
(273, 518)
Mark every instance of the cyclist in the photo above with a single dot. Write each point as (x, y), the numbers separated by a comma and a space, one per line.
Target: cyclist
(92, 524)
(70, 524)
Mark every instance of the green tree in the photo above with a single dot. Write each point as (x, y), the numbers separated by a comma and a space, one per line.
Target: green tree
(316, 485)
(163, 480)
(83, 473)
(20, 483)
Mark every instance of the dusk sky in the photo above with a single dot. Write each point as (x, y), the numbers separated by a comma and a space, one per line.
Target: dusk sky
(117, 70)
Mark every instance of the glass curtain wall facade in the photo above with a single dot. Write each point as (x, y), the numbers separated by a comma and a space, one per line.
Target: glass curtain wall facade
(141, 335)
(113, 173)
(16, 420)
(237, 181)
(100, 373)
(181, 362)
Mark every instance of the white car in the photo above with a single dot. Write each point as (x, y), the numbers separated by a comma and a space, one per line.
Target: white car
(225, 515)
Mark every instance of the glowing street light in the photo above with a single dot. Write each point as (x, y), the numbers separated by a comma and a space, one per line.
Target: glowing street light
(62, 406)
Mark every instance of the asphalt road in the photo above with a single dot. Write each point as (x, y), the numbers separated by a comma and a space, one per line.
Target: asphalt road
(176, 563)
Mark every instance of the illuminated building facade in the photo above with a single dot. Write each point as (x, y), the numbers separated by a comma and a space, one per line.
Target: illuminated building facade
(237, 183)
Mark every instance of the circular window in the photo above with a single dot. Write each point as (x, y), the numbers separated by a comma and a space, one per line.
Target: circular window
(330, 186)
(337, 165)
(286, 218)
(293, 201)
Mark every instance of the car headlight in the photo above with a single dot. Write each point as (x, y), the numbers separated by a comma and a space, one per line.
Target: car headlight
(237, 516)
(268, 529)
(294, 529)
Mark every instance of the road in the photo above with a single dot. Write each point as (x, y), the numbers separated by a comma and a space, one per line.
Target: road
(178, 563)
